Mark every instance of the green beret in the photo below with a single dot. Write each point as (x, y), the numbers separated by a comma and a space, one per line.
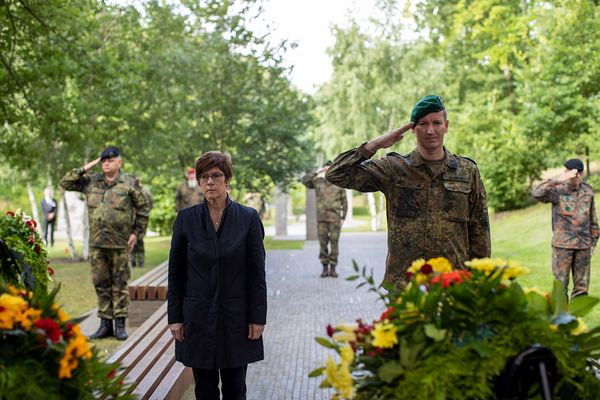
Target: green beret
(428, 104)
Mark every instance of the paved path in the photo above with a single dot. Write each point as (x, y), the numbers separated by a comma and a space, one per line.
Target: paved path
(301, 304)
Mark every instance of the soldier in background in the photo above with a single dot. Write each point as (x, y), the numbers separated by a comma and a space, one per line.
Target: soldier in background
(254, 200)
(436, 202)
(332, 206)
(118, 217)
(188, 194)
(138, 254)
(574, 225)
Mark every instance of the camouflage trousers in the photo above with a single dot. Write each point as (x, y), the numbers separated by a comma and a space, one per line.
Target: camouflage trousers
(329, 237)
(110, 273)
(137, 256)
(572, 261)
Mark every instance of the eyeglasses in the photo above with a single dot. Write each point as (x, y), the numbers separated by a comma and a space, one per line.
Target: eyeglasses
(216, 176)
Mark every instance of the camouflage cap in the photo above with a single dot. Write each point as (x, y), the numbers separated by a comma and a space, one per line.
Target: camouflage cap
(427, 105)
(109, 152)
(574, 163)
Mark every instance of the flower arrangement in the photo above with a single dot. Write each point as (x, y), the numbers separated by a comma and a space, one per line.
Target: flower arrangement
(23, 261)
(450, 334)
(44, 355)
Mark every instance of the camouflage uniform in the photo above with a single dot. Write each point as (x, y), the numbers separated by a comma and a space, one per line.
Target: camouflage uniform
(575, 231)
(331, 212)
(429, 214)
(138, 254)
(187, 196)
(254, 200)
(116, 210)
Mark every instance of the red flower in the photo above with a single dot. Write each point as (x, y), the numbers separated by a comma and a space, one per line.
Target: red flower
(10, 214)
(386, 313)
(38, 248)
(330, 330)
(51, 328)
(2, 308)
(451, 277)
(31, 239)
(409, 276)
(112, 373)
(50, 271)
(371, 354)
(426, 269)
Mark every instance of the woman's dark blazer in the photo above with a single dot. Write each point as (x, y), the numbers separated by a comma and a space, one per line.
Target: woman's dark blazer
(217, 286)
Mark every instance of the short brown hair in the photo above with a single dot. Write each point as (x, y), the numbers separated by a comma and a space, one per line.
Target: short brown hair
(212, 159)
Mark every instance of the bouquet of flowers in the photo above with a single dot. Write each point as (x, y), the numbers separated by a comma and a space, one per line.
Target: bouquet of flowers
(450, 334)
(44, 355)
(23, 258)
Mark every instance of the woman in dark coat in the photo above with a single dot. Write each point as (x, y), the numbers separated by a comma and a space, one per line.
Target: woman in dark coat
(217, 291)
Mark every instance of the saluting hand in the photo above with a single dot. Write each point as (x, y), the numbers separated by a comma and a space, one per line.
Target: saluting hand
(388, 139)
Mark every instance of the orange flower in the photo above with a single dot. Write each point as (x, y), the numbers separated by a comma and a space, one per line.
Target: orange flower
(449, 278)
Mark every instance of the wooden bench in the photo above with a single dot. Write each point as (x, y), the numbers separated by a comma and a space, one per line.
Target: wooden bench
(148, 363)
(152, 285)
(147, 293)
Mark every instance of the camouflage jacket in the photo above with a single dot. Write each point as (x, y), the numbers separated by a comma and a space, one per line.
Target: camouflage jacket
(116, 210)
(444, 215)
(574, 219)
(332, 204)
(187, 196)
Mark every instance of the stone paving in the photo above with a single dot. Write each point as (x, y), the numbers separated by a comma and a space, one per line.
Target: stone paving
(301, 304)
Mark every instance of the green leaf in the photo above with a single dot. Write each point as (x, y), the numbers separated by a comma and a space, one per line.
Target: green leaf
(431, 331)
(352, 278)
(581, 305)
(390, 371)
(558, 298)
(316, 372)
(326, 342)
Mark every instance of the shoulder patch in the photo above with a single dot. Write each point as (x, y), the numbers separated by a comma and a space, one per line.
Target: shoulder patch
(394, 154)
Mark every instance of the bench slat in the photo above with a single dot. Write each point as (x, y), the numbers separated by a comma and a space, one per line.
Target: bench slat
(174, 384)
(150, 357)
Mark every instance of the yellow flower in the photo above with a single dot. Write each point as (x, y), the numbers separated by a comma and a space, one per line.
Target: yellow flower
(384, 335)
(440, 264)
(29, 317)
(416, 265)
(581, 328)
(11, 310)
(347, 355)
(343, 336)
(339, 378)
(490, 265)
(77, 348)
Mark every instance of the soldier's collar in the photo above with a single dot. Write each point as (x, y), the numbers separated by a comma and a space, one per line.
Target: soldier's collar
(416, 159)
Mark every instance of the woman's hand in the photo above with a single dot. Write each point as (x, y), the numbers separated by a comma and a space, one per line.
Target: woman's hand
(255, 331)
(177, 331)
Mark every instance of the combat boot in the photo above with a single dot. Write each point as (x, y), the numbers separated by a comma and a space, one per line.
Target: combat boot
(105, 330)
(325, 272)
(332, 272)
(120, 332)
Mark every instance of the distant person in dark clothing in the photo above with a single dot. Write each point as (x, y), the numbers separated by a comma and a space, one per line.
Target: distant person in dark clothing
(49, 207)
(217, 304)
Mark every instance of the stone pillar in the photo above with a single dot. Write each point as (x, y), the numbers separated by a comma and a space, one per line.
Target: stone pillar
(311, 214)
(281, 208)
(350, 212)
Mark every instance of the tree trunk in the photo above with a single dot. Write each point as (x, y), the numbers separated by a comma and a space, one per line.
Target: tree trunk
(281, 200)
(85, 249)
(34, 210)
(72, 249)
(311, 214)
(372, 211)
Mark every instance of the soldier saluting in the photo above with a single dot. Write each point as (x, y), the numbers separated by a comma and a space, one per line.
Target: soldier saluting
(118, 216)
(436, 202)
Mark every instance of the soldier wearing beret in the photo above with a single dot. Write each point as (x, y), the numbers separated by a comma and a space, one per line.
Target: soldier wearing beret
(188, 193)
(118, 216)
(574, 225)
(332, 206)
(436, 202)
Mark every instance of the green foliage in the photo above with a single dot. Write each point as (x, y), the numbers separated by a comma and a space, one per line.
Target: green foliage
(450, 334)
(27, 266)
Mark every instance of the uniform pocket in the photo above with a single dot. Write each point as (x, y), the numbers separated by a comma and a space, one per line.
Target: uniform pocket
(119, 199)
(409, 199)
(456, 200)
